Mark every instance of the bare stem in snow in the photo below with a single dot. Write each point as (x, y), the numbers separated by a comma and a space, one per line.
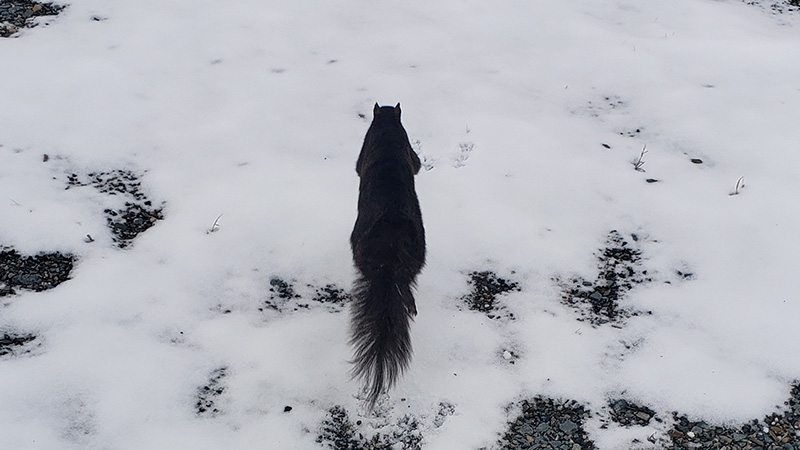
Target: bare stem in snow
(640, 162)
(739, 186)
(214, 227)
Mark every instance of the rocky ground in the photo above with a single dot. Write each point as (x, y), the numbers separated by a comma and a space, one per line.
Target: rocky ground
(138, 213)
(559, 424)
(32, 272)
(18, 14)
(46, 270)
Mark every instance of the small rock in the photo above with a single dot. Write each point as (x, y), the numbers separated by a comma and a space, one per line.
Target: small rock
(568, 426)
(675, 434)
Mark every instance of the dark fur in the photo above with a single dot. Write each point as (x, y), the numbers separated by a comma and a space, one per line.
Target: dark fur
(388, 244)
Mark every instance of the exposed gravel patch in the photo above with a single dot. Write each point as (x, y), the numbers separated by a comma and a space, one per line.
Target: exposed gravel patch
(777, 6)
(778, 431)
(34, 273)
(338, 432)
(18, 14)
(206, 404)
(627, 413)
(331, 294)
(619, 270)
(138, 213)
(128, 223)
(15, 344)
(281, 296)
(282, 289)
(546, 423)
(486, 288)
(285, 296)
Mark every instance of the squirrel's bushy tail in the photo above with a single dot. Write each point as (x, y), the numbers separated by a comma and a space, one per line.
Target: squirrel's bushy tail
(381, 313)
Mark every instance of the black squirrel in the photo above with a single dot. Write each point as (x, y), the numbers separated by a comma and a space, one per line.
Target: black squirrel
(388, 243)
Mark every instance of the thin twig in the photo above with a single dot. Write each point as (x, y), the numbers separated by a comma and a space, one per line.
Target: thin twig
(739, 186)
(640, 162)
(214, 227)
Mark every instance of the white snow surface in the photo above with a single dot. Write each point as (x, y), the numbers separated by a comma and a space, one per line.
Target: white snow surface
(251, 109)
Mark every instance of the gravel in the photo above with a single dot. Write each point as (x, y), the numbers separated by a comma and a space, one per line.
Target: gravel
(18, 14)
(627, 413)
(777, 6)
(281, 293)
(15, 344)
(619, 270)
(138, 214)
(331, 294)
(486, 287)
(546, 423)
(338, 432)
(778, 431)
(284, 296)
(35, 273)
(207, 395)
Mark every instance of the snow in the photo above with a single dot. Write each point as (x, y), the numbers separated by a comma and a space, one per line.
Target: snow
(251, 110)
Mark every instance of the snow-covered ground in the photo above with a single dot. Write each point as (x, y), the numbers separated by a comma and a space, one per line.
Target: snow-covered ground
(528, 115)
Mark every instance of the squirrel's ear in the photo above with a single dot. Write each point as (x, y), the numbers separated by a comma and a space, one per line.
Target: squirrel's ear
(397, 110)
(375, 109)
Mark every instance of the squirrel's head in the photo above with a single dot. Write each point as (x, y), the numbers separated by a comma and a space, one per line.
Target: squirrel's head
(386, 112)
